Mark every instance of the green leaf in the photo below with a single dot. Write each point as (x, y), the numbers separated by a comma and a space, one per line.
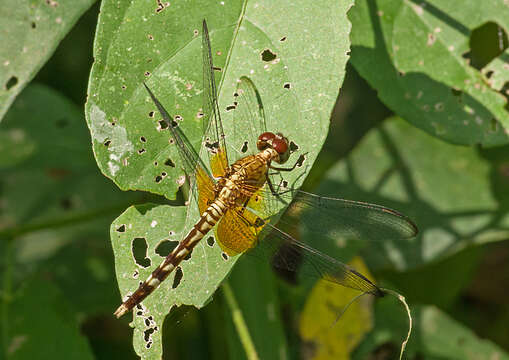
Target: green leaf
(446, 189)
(141, 42)
(39, 320)
(435, 335)
(137, 43)
(54, 182)
(31, 31)
(413, 55)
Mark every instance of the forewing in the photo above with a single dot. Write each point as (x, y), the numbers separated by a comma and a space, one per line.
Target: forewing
(193, 166)
(212, 125)
(248, 114)
(340, 219)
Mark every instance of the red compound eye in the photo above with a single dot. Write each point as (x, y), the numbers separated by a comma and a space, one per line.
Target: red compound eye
(280, 145)
(264, 140)
(266, 136)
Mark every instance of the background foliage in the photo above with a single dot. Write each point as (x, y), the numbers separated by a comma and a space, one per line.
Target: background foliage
(420, 124)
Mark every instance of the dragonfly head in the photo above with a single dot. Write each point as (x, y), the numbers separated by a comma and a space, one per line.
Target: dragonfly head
(276, 141)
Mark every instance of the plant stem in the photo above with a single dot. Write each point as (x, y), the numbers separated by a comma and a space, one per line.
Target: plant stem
(239, 322)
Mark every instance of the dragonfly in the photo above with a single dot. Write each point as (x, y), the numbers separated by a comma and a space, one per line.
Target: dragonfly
(237, 200)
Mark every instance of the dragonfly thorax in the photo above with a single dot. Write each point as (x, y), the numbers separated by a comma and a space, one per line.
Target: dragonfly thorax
(277, 142)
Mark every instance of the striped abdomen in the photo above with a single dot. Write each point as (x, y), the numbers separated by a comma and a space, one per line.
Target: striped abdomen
(207, 221)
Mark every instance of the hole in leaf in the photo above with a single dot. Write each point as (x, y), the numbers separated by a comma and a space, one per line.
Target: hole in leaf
(283, 39)
(456, 92)
(244, 147)
(141, 151)
(13, 80)
(166, 247)
(293, 147)
(143, 139)
(210, 241)
(224, 256)
(158, 178)
(177, 278)
(121, 228)
(163, 124)
(107, 143)
(147, 333)
(169, 163)
(139, 250)
(268, 55)
(486, 43)
(300, 160)
(287, 85)
(151, 114)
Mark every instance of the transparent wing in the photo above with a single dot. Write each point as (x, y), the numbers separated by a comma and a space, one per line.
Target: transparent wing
(248, 114)
(214, 133)
(303, 258)
(338, 219)
(192, 164)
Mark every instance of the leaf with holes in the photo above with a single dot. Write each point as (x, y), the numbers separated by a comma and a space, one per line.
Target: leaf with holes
(296, 62)
(30, 34)
(412, 52)
(141, 237)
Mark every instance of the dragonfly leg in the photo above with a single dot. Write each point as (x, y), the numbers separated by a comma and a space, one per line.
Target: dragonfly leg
(297, 163)
(271, 186)
(277, 194)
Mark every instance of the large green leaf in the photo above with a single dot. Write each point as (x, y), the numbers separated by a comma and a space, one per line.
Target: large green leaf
(31, 30)
(297, 62)
(456, 195)
(411, 52)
